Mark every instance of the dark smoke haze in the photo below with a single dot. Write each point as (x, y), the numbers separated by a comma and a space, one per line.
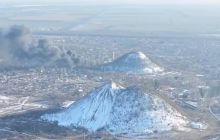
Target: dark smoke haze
(15, 46)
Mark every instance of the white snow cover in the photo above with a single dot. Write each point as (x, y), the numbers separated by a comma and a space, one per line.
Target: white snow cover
(120, 110)
(133, 62)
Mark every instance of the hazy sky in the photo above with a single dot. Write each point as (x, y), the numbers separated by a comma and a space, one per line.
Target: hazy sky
(212, 2)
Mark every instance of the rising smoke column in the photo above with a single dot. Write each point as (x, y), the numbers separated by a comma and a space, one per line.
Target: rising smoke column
(51, 53)
(15, 44)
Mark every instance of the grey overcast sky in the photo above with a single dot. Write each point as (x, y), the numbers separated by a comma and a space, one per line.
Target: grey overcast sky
(194, 2)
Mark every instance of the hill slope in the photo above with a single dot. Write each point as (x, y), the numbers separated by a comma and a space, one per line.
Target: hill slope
(120, 110)
(133, 62)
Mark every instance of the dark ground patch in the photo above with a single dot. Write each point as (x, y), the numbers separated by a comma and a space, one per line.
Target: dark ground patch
(30, 123)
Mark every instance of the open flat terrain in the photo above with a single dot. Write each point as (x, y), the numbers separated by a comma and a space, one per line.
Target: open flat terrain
(143, 20)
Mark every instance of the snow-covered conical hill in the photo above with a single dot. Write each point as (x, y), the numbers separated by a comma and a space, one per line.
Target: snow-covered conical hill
(120, 110)
(133, 62)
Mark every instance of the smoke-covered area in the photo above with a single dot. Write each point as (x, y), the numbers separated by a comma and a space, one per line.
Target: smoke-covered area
(16, 47)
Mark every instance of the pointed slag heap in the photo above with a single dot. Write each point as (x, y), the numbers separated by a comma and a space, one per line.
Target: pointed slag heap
(133, 62)
(120, 110)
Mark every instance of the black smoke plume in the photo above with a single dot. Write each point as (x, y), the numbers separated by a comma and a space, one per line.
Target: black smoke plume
(15, 44)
